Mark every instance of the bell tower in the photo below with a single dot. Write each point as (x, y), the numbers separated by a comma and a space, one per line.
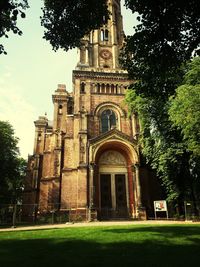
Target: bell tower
(100, 49)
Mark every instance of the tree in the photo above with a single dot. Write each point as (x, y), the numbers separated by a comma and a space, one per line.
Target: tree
(166, 37)
(66, 21)
(161, 145)
(10, 10)
(184, 108)
(12, 167)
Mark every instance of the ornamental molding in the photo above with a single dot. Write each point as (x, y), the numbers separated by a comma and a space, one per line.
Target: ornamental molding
(113, 134)
(110, 105)
(112, 158)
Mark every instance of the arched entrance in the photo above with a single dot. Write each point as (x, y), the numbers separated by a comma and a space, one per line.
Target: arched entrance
(113, 185)
(113, 181)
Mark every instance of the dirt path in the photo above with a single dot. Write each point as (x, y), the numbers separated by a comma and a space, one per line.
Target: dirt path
(89, 224)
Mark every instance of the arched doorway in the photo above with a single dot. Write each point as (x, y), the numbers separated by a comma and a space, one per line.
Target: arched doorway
(113, 181)
(113, 185)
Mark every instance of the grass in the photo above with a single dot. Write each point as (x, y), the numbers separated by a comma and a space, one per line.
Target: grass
(136, 245)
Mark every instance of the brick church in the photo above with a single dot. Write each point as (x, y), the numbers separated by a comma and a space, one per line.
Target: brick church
(88, 156)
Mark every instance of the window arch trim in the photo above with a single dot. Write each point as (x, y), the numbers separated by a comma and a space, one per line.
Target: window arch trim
(119, 113)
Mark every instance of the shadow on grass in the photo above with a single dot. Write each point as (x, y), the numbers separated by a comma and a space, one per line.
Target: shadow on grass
(136, 246)
(168, 231)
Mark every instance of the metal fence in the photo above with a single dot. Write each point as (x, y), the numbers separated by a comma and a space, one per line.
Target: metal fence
(12, 215)
(24, 215)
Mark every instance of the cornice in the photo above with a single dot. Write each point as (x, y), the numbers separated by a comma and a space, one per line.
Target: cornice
(48, 179)
(101, 75)
(69, 169)
(60, 98)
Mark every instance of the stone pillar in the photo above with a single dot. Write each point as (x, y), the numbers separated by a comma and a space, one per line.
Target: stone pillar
(141, 211)
(91, 187)
(138, 186)
(92, 214)
(134, 192)
(117, 88)
(86, 56)
(79, 56)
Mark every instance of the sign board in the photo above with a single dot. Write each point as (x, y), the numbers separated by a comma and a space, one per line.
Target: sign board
(160, 205)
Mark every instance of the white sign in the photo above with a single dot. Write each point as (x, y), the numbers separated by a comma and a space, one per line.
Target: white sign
(160, 205)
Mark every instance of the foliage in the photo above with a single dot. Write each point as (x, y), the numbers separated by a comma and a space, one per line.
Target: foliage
(161, 145)
(167, 34)
(12, 167)
(67, 21)
(10, 10)
(185, 113)
(192, 75)
(185, 107)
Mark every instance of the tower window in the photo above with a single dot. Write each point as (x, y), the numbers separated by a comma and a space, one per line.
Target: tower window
(102, 35)
(108, 120)
(82, 88)
(60, 110)
(39, 137)
(106, 35)
(70, 110)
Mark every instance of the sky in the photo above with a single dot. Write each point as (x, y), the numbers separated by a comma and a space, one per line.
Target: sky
(30, 73)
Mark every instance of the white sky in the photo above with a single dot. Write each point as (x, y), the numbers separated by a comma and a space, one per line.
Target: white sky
(29, 75)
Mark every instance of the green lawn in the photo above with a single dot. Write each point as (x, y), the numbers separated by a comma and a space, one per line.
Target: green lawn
(136, 245)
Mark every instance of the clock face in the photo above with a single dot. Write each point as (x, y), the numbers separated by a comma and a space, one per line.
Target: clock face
(105, 54)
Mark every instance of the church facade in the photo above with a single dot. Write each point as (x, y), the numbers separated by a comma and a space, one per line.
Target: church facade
(88, 156)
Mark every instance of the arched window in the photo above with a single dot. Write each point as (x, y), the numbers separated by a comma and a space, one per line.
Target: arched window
(107, 88)
(60, 109)
(98, 88)
(108, 120)
(106, 33)
(103, 88)
(70, 110)
(102, 35)
(82, 88)
(39, 137)
(112, 89)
